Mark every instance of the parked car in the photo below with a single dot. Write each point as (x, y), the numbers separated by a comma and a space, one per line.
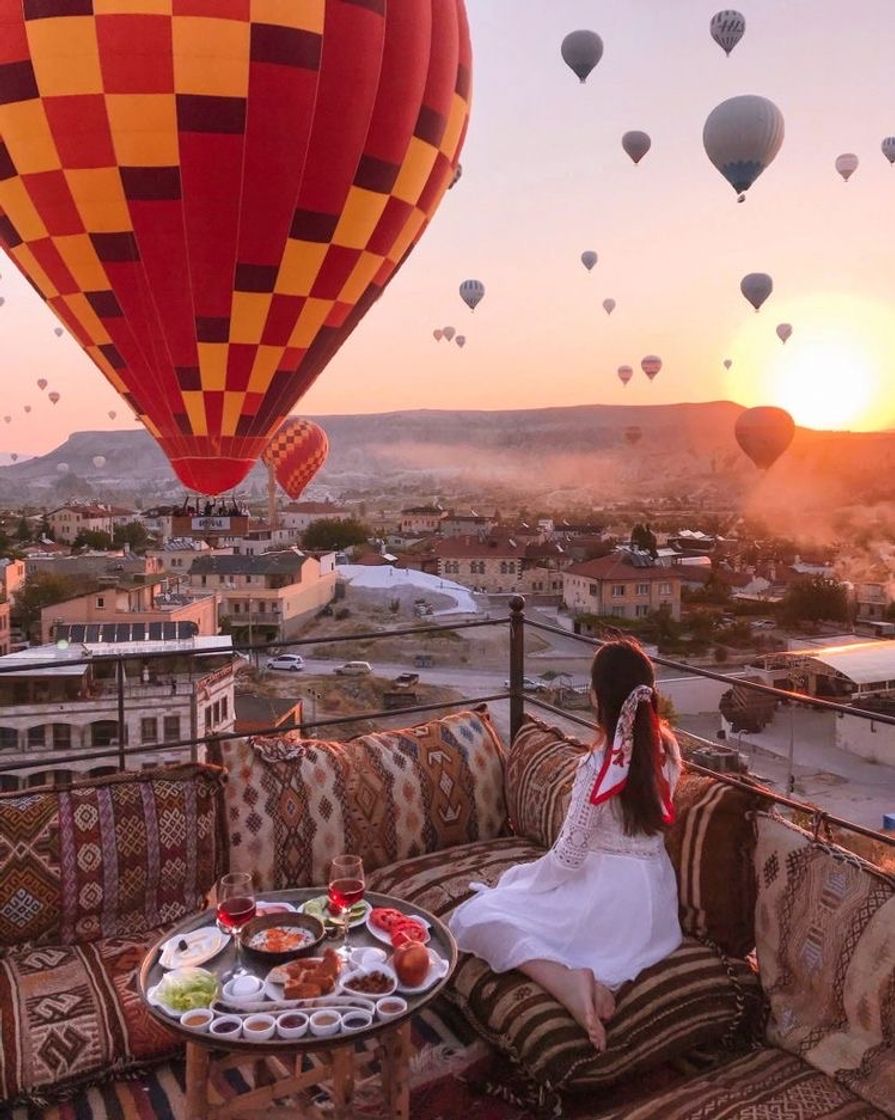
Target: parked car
(354, 669)
(406, 680)
(290, 662)
(529, 684)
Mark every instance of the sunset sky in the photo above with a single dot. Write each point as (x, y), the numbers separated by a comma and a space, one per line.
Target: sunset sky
(544, 177)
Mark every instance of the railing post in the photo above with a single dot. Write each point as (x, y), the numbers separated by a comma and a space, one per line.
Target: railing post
(517, 663)
(122, 724)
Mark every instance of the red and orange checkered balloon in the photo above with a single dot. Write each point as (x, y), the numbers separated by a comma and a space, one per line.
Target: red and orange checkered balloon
(210, 194)
(296, 453)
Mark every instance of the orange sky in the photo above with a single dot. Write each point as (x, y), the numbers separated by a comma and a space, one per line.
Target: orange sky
(544, 177)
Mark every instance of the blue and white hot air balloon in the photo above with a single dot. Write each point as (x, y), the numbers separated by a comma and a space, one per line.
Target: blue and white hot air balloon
(727, 28)
(472, 292)
(741, 137)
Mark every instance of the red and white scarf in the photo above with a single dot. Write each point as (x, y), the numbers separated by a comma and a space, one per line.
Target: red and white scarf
(613, 774)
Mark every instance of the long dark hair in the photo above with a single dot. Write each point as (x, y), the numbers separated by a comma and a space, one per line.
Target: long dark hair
(618, 667)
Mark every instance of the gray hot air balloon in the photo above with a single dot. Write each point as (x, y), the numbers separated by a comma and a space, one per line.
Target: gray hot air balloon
(458, 174)
(7, 419)
(581, 51)
(460, 340)
(756, 287)
(625, 373)
(764, 434)
(472, 292)
(636, 144)
(588, 259)
(727, 363)
(727, 28)
(448, 333)
(847, 165)
(27, 407)
(651, 365)
(784, 330)
(609, 306)
(112, 413)
(888, 148)
(438, 334)
(14, 456)
(58, 332)
(741, 137)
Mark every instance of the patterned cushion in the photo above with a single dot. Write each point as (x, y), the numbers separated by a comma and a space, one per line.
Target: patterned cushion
(826, 950)
(710, 844)
(293, 804)
(766, 1085)
(107, 857)
(72, 1014)
(695, 996)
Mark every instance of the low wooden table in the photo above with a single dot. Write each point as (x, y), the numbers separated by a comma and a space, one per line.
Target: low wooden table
(279, 1065)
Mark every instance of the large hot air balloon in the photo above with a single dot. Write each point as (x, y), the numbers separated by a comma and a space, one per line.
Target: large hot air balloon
(472, 292)
(112, 414)
(54, 397)
(609, 306)
(99, 461)
(448, 333)
(42, 383)
(625, 373)
(636, 144)
(847, 165)
(764, 434)
(888, 148)
(236, 192)
(784, 330)
(296, 453)
(727, 363)
(581, 51)
(460, 340)
(741, 137)
(727, 28)
(588, 259)
(651, 365)
(438, 334)
(633, 435)
(756, 287)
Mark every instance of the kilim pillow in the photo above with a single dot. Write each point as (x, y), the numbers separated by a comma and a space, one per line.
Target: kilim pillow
(825, 930)
(710, 844)
(293, 804)
(107, 857)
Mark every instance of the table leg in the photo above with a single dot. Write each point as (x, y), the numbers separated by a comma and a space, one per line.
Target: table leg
(343, 1081)
(196, 1082)
(396, 1072)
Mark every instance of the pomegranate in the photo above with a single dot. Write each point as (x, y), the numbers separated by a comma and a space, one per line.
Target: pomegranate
(411, 963)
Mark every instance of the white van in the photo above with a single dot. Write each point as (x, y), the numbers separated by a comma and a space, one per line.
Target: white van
(355, 669)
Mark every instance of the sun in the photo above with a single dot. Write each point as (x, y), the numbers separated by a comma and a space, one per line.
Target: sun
(830, 374)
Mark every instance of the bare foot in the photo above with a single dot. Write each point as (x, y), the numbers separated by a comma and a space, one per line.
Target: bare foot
(604, 1001)
(575, 988)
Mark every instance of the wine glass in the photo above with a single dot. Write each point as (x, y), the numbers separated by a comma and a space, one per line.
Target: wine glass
(346, 887)
(236, 907)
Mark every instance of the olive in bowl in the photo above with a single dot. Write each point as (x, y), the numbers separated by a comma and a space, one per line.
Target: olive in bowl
(274, 939)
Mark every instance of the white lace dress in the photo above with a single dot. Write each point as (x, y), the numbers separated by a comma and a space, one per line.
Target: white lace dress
(598, 899)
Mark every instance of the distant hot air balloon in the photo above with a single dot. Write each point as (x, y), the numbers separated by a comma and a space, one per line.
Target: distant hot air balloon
(633, 435)
(784, 330)
(847, 165)
(58, 332)
(764, 434)
(54, 397)
(112, 414)
(458, 174)
(472, 292)
(727, 28)
(625, 373)
(741, 137)
(461, 340)
(588, 259)
(27, 407)
(99, 461)
(651, 365)
(581, 51)
(42, 383)
(727, 363)
(296, 453)
(609, 306)
(62, 468)
(14, 456)
(7, 419)
(261, 182)
(756, 287)
(888, 148)
(2, 300)
(438, 334)
(636, 144)
(448, 333)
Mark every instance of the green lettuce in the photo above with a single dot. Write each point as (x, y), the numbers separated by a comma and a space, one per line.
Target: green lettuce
(188, 989)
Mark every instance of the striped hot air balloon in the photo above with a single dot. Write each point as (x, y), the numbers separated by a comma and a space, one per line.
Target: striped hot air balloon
(296, 453)
(210, 196)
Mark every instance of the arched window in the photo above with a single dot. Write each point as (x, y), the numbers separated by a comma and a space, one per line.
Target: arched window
(9, 739)
(60, 734)
(104, 733)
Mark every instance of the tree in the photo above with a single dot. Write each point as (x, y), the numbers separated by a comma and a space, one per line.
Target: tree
(93, 538)
(328, 535)
(23, 529)
(39, 591)
(133, 534)
(819, 599)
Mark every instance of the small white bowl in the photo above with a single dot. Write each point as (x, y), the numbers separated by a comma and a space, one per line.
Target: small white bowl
(292, 1032)
(385, 969)
(201, 1017)
(226, 1026)
(384, 1014)
(244, 989)
(258, 1028)
(355, 1019)
(325, 1023)
(367, 958)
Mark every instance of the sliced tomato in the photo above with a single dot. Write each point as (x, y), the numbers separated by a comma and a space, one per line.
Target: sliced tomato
(407, 931)
(386, 918)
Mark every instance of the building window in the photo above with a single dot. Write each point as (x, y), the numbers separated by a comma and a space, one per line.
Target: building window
(36, 738)
(643, 589)
(149, 729)
(618, 590)
(664, 588)
(224, 708)
(236, 608)
(617, 612)
(100, 602)
(204, 581)
(511, 567)
(103, 733)
(208, 722)
(592, 590)
(61, 737)
(216, 712)
(9, 739)
(641, 611)
(172, 729)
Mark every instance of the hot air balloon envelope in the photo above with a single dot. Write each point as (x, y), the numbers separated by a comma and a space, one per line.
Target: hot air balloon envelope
(625, 373)
(448, 333)
(633, 435)
(581, 51)
(847, 165)
(99, 461)
(42, 383)
(461, 340)
(438, 334)
(241, 188)
(756, 287)
(888, 148)
(741, 137)
(651, 365)
(727, 363)
(472, 292)
(588, 259)
(636, 144)
(727, 28)
(296, 453)
(27, 407)
(609, 306)
(764, 434)
(112, 413)
(784, 330)
(62, 468)
(54, 397)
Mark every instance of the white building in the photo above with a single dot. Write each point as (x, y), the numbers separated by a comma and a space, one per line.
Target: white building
(299, 515)
(68, 521)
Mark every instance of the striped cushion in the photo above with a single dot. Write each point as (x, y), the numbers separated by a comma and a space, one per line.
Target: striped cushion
(693, 997)
(766, 1085)
(711, 843)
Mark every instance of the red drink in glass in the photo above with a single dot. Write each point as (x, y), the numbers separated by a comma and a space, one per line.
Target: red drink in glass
(233, 913)
(343, 893)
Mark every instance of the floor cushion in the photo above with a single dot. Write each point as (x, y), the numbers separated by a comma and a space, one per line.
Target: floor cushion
(826, 953)
(693, 997)
(293, 804)
(71, 1015)
(765, 1085)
